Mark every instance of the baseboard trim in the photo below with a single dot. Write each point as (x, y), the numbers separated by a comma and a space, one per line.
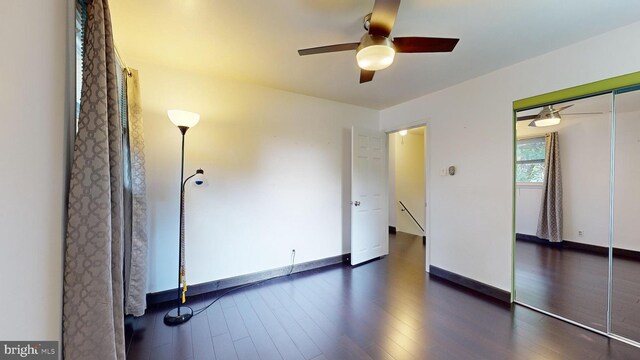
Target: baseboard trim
(392, 230)
(159, 297)
(471, 284)
(536, 240)
(572, 245)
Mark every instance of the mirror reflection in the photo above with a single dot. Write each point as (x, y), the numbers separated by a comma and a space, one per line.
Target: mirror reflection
(625, 304)
(563, 167)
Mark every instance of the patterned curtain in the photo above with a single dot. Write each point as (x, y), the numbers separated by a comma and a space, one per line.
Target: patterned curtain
(93, 321)
(550, 218)
(136, 237)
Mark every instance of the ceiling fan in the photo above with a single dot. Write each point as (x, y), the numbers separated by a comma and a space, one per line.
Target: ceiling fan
(376, 50)
(549, 116)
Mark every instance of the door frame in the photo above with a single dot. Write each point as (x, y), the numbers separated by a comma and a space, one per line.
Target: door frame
(427, 184)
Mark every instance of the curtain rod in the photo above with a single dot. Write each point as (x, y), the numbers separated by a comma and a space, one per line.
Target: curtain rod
(123, 65)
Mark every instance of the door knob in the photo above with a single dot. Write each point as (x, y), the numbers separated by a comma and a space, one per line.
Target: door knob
(357, 203)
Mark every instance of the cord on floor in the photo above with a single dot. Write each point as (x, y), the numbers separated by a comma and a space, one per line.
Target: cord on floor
(293, 260)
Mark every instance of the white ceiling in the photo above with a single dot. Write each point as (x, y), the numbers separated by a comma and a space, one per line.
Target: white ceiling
(257, 40)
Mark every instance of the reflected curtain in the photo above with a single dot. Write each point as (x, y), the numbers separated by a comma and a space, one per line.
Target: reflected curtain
(550, 218)
(136, 238)
(93, 321)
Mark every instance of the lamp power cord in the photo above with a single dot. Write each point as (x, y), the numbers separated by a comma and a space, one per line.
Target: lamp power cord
(293, 261)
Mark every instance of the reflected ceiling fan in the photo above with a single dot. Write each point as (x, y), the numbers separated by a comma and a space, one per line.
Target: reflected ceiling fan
(549, 116)
(376, 49)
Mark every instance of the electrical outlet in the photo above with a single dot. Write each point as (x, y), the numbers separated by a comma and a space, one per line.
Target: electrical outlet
(580, 233)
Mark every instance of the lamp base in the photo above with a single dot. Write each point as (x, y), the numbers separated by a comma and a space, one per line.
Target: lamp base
(172, 318)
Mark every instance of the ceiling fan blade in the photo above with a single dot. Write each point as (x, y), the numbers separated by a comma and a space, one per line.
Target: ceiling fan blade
(383, 17)
(366, 76)
(562, 108)
(588, 113)
(416, 44)
(528, 117)
(328, 49)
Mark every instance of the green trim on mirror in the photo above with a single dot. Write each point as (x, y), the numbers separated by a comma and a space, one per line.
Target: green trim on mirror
(577, 92)
(513, 212)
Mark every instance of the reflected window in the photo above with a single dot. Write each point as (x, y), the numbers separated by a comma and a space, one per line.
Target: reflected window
(530, 154)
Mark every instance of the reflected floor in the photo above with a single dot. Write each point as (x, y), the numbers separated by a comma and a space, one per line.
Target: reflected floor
(573, 284)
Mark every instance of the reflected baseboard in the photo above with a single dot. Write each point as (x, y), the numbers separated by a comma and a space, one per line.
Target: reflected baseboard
(572, 245)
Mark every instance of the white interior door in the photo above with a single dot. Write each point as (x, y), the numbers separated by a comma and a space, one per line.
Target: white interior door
(369, 205)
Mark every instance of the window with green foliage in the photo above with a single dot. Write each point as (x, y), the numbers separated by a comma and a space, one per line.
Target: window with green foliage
(79, 24)
(530, 155)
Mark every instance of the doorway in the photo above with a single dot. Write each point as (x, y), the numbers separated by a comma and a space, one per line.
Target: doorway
(408, 192)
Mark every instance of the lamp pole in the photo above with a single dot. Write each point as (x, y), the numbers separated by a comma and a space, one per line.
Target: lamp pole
(181, 314)
(183, 131)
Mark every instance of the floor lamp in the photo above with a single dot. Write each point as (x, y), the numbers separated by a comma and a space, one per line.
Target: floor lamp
(184, 120)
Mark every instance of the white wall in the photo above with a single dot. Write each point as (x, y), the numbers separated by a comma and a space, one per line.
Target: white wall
(32, 98)
(471, 127)
(278, 166)
(409, 181)
(626, 208)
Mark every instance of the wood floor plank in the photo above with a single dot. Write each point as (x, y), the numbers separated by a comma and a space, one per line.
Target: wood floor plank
(217, 321)
(261, 339)
(245, 349)
(203, 349)
(279, 335)
(328, 343)
(297, 334)
(200, 327)
(224, 348)
(235, 324)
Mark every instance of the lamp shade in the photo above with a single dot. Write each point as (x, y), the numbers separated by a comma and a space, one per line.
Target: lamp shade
(183, 118)
(403, 132)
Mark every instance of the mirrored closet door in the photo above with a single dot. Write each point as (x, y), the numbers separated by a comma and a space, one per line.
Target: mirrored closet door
(563, 168)
(577, 248)
(625, 293)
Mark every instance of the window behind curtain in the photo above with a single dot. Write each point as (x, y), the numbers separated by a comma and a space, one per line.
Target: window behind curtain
(530, 154)
(80, 17)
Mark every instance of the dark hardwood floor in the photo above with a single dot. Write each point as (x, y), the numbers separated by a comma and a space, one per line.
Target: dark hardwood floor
(385, 309)
(573, 284)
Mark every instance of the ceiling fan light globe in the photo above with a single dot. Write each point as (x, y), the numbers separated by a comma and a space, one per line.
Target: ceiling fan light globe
(548, 121)
(375, 57)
